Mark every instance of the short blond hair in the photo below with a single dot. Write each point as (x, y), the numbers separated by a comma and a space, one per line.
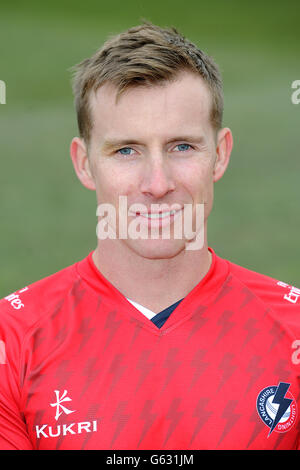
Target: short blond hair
(143, 55)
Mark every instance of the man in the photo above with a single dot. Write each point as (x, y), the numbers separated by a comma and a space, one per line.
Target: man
(151, 342)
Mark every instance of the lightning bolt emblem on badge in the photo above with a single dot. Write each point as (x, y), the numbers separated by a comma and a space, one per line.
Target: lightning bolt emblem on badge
(277, 407)
(284, 403)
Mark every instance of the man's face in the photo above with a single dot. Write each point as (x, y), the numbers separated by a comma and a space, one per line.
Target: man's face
(156, 146)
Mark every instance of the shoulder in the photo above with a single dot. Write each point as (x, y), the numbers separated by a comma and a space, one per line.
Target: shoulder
(267, 288)
(280, 299)
(23, 308)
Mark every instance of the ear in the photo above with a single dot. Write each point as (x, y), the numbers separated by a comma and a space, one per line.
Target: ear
(223, 152)
(81, 163)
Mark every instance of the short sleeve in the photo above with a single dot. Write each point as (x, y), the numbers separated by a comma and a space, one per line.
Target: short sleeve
(13, 432)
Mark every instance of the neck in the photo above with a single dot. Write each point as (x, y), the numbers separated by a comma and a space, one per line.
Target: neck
(154, 283)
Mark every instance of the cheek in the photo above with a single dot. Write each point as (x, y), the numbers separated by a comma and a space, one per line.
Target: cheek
(112, 183)
(198, 182)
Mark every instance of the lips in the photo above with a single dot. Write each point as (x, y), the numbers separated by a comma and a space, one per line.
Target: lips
(157, 215)
(157, 218)
(156, 211)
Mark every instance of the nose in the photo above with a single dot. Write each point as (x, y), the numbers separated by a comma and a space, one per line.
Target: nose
(157, 180)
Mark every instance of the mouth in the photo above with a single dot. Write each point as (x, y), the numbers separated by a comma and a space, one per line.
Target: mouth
(156, 215)
(157, 218)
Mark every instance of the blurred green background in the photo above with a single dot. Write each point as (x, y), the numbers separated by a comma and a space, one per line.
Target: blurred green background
(48, 220)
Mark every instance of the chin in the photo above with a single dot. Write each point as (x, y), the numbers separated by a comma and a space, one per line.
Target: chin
(157, 249)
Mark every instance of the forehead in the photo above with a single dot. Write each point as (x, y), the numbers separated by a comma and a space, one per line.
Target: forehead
(158, 109)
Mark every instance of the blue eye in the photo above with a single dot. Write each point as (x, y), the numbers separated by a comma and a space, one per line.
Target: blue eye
(125, 151)
(183, 147)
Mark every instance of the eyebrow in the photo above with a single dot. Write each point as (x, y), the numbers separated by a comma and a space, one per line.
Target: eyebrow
(115, 143)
